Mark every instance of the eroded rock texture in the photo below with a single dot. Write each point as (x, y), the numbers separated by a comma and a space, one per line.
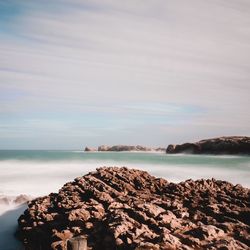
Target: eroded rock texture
(120, 208)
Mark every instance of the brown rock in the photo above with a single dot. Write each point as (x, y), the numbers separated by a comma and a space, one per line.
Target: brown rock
(220, 145)
(121, 208)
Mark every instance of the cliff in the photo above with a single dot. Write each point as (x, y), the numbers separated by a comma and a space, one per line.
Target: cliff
(120, 208)
(220, 145)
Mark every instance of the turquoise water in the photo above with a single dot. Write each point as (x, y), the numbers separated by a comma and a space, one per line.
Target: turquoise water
(26, 171)
(36, 172)
(131, 157)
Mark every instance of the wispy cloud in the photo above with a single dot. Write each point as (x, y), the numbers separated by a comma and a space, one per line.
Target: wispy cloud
(137, 66)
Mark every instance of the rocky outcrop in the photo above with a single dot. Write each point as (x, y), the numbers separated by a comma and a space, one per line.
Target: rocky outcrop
(14, 200)
(120, 208)
(88, 149)
(119, 148)
(103, 148)
(129, 148)
(221, 145)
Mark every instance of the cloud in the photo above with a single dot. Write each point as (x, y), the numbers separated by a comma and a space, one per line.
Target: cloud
(143, 65)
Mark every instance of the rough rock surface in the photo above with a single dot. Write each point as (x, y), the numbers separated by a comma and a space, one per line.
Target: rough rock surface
(118, 148)
(221, 145)
(120, 208)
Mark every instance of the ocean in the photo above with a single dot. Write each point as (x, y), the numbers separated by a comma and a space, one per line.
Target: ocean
(40, 172)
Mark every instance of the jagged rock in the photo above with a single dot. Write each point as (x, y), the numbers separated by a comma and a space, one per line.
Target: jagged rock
(120, 208)
(221, 145)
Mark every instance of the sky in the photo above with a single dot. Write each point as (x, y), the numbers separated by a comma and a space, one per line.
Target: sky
(76, 73)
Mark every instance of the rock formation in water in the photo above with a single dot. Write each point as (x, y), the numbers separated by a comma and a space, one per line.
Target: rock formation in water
(119, 148)
(221, 145)
(14, 200)
(120, 208)
(88, 149)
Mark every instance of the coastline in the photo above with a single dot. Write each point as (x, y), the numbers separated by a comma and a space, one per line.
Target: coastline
(225, 145)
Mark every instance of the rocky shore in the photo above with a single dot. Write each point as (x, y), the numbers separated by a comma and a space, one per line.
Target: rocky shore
(120, 208)
(119, 148)
(220, 145)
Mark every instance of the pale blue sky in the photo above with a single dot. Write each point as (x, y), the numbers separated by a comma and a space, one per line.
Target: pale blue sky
(153, 72)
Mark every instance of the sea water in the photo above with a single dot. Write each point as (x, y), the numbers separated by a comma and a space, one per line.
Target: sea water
(36, 173)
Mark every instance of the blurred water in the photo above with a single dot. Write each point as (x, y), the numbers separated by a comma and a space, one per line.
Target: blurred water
(37, 173)
(40, 172)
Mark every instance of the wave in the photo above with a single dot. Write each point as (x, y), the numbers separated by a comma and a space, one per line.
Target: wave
(14, 200)
(8, 203)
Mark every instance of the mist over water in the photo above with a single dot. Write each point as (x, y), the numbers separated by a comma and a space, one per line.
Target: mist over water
(37, 173)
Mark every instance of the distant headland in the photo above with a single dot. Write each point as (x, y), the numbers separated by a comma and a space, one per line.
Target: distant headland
(120, 148)
(225, 145)
(228, 145)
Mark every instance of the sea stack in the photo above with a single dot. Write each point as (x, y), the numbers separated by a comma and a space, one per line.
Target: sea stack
(221, 145)
(120, 208)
